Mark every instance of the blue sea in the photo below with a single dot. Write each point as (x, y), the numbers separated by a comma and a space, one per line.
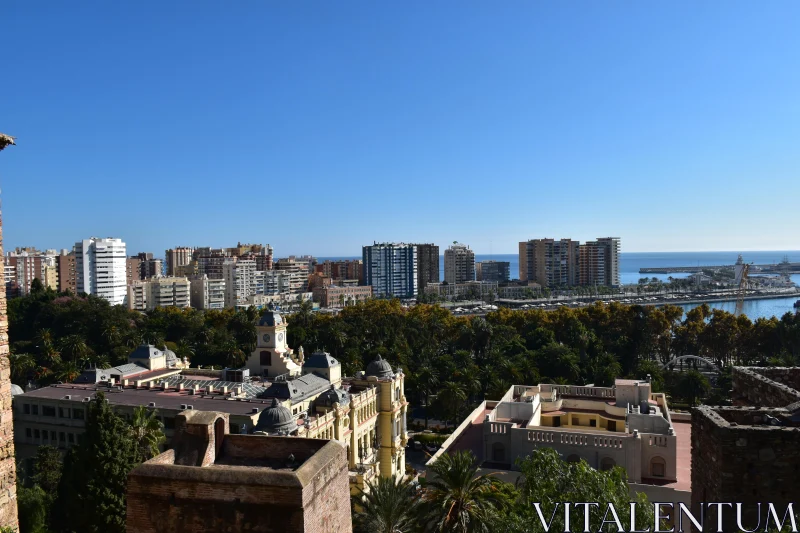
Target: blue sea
(631, 262)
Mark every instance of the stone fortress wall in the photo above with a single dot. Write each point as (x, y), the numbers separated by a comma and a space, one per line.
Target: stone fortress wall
(749, 452)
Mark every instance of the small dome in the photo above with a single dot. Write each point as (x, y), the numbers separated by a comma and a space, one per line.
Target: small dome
(320, 360)
(380, 368)
(276, 419)
(16, 389)
(332, 396)
(271, 319)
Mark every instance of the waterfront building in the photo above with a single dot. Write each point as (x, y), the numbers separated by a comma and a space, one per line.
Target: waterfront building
(427, 265)
(391, 269)
(214, 481)
(338, 296)
(549, 262)
(599, 262)
(101, 269)
(626, 425)
(459, 264)
(475, 290)
(207, 293)
(177, 257)
(497, 271)
(278, 392)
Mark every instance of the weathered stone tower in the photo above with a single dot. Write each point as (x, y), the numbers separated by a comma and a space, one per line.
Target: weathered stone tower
(8, 470)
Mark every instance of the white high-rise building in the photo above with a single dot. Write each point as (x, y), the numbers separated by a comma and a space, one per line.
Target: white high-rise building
(612, 246)
(241, 280)
(459, 264)
(100, 269)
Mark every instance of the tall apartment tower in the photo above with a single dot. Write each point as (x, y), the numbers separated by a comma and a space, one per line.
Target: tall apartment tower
(101, 269)
(459, 264)
(427, 265)
(391, 269)
(599, 262)
(65, 266)
(8, 470)
(176, 257)
(549, 262)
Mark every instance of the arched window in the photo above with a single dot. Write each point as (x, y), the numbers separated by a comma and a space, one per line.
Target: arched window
(266, 358)
(219, 435)
(498, 452)
(574, 458)
(658, 467)
(397, 394)
(607, 464)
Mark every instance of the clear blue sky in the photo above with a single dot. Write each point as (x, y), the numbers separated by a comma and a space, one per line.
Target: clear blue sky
(318, 127)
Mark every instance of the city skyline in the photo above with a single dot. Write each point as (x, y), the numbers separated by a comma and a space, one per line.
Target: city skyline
(488, 125)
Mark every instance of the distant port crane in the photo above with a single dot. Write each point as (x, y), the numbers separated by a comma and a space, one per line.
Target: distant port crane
(741, 270)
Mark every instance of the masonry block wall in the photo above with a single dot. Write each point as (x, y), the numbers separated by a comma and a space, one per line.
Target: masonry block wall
(8, 471)
(737, 458)
(240, 492)
(767, 387)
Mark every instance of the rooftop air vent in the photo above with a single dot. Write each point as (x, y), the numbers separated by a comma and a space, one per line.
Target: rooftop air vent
(183, 406)
(189, 407)
(151, 404)
(87, 399)
(67, 397)
(254, 410)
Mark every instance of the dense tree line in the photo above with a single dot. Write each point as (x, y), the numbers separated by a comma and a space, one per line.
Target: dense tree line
(456, 360)
(456, 498)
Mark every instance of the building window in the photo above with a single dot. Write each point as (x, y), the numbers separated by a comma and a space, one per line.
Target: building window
(266, 358)
(612, 425)
(36, 434)
(658, 467)
(573, 459)
(63, 413)
(28, 432)
(26, 408)
(35, 409)
(77, 414)
(593, 423)
(53, 436)
(61, 437)
(48, 410)
(71, 438)
(169, 422)
(498, 452)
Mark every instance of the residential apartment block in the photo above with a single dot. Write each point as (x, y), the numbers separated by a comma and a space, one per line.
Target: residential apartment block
(342, 270)
(22, 266)
(65, 271)
(158, 292)
(207, 293)
(101, 269)
(566, 263)
(459, 264)
(391, 269)
(496, 271)
(177, 257)
(599, 262)
(427, 265)
(149, 266)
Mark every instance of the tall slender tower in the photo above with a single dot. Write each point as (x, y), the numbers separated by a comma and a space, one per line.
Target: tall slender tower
(8, 470)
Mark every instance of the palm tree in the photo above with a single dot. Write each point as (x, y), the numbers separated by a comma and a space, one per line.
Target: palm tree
(387, 506)
(21, 365)
(74, 347)
(148, 432)
(234, 355)
(426, 380)
(452, 396)
(458, 500)
(66, 372)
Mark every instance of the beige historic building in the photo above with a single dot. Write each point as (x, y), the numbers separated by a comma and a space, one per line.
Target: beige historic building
(279, 393)
(627, 425)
